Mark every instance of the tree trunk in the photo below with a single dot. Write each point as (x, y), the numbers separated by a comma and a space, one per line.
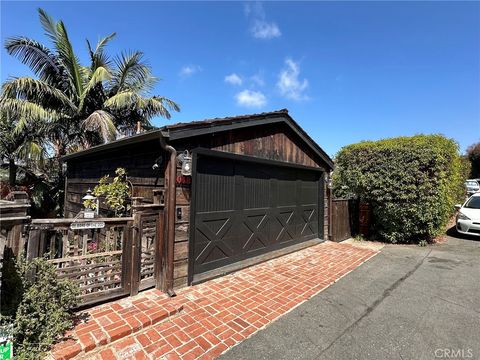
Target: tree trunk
(12, 172)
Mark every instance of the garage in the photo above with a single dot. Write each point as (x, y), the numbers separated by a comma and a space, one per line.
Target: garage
(232, 191)
(245, 207)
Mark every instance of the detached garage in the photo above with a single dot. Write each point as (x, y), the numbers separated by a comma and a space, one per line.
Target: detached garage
(256, 190)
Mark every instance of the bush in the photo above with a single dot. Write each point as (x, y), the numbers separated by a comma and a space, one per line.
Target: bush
(44, 312)
(116, 192)
(411, 183)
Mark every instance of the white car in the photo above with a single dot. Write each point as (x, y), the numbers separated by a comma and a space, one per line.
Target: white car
(473, 186)
(468, 217)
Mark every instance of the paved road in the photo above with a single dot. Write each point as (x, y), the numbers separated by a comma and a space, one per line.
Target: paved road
(407, 302)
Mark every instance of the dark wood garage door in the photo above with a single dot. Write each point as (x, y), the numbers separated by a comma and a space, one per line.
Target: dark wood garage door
(243, 209)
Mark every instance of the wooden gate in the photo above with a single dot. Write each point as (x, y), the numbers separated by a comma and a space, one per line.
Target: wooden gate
(341, 229)
(105, 257)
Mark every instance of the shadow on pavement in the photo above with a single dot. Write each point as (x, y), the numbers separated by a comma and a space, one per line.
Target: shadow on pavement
(452, 232)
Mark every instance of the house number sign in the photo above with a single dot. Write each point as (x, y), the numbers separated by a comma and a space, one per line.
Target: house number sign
(184, 181)
(87, 225)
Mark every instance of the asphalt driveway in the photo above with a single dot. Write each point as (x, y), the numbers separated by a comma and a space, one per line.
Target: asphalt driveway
(408, 302)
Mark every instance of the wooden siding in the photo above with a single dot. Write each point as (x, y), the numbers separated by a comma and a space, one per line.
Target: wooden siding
(269, 142)
(273, 142)
(84, 173)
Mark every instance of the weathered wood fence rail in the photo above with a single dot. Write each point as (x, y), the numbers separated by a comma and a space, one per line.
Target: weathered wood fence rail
(96, 259)
(106, 257)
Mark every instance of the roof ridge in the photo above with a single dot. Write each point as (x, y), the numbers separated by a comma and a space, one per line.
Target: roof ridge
(227, 118)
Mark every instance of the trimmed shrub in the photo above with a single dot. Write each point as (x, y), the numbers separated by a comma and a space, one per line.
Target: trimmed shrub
(411, 183)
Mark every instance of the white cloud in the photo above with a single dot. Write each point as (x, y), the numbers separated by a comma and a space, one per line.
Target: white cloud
(189, 70)
(233, 79)
(265, 30)
(289, 84)
(250, 98)
(261, 28)
(257, 79)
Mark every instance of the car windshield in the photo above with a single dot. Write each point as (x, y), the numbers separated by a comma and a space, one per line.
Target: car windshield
(473, 203)
(473, 184)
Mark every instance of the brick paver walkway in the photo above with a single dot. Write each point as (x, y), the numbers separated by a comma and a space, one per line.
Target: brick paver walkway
(216, 315)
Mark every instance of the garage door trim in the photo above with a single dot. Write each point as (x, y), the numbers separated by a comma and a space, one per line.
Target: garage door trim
(251, 159)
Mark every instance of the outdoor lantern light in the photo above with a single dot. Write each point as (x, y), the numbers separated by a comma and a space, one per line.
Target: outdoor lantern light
(186, 160)
(89, 213)
(329, 181)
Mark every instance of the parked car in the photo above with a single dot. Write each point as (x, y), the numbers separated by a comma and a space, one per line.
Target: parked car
(468, 217)
(473, 186)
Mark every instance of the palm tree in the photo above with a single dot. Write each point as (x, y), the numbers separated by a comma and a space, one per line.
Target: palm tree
(81, 106)
(20, 143)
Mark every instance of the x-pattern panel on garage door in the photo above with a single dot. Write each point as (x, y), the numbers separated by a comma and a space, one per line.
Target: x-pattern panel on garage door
(244, 209)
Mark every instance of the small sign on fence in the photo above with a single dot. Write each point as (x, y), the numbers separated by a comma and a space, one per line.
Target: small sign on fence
(87, 225)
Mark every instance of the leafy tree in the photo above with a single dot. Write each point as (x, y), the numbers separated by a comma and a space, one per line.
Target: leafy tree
(473, 154)
(80, 105)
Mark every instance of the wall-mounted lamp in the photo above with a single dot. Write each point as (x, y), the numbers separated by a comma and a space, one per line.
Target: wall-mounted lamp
(329, 181)
(185, 159)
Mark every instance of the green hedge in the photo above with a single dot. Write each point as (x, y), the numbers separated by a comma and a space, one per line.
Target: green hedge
(412, 183)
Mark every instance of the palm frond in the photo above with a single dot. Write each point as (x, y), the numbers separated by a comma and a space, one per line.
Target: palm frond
(130, 69)
(32, 151)
(102, 122)
(170, 104)
(36, 90)
(98, 57)
(104, 41)
(36, 56)
(100, 74)
(68, 58)
(48, 24)
(23, 109)
(146, 107)
(124, 100)
(159, 106)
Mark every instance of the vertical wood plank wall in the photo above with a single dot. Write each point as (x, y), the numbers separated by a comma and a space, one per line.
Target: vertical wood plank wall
(138, 159)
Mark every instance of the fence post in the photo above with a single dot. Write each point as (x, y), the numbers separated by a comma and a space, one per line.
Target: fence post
(136, 245)
(33, 242)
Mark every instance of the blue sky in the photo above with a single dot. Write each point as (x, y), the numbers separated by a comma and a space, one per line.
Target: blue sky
(347, 71)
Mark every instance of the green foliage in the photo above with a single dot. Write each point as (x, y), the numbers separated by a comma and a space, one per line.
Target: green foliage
(69, 106)
(422, 243)
(473, 155)
(412, 183)
(20, 143)
(359, 237)
(116, 192)
(80, 105)
(44, 311)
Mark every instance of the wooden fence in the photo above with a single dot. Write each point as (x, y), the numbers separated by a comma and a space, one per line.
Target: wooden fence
(106, 257)
(344, 219)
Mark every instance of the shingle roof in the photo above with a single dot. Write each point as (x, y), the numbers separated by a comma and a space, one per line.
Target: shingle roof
(198, 127)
